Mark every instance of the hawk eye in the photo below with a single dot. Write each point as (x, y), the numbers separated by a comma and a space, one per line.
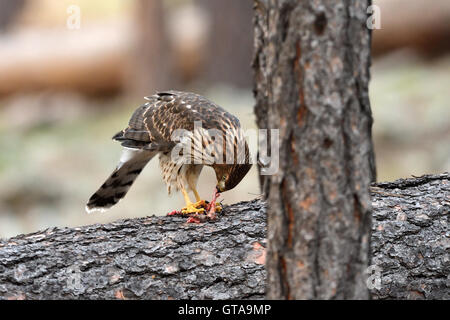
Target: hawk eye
(224, 178)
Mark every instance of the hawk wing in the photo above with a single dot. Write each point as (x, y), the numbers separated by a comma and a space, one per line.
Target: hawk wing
(152, 124)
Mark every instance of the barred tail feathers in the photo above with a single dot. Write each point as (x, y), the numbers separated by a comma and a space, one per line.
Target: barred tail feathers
(119, 182)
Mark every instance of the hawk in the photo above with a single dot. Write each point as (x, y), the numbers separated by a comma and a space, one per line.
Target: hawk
(179, 127)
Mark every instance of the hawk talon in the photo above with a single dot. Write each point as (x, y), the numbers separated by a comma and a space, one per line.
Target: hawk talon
(200, 203)
(192, 208)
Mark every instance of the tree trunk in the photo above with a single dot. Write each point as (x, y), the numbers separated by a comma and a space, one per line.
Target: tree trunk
(163, 257)
(311, 66)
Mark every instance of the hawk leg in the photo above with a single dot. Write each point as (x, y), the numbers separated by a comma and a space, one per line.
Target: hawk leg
(197, 211)
(192, 207)
(200, 202)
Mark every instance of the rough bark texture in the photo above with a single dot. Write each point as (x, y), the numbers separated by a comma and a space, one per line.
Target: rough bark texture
(163, 257)
(311, 64)
(411, 238)
(146, 258)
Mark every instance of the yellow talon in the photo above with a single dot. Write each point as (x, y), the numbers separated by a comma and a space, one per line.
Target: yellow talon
(200, 203)
(192, 208)
(201, 206)
(218, 207)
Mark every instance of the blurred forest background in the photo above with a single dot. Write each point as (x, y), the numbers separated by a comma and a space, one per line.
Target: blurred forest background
(64, 92)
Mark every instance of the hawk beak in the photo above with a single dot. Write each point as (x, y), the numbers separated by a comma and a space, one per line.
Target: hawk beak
(220, 187)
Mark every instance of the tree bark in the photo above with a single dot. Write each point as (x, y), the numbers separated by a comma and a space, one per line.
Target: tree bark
(164, 258)
(144, 258)
(311, 64)
(411, 238)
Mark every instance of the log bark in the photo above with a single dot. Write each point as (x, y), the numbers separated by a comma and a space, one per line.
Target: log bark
(165, 258)
(411, 238)
(311, 64)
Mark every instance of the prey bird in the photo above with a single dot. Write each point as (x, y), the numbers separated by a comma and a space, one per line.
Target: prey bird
(179, 127)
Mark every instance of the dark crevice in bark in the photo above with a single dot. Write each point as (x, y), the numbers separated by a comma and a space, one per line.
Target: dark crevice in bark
(411, 182)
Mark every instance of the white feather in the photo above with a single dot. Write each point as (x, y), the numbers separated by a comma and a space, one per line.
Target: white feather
(92, 210)
(127, 155)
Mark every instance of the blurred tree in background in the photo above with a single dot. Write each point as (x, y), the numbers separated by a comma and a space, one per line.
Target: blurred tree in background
(152, 56)
(192, 43)
(8, 12)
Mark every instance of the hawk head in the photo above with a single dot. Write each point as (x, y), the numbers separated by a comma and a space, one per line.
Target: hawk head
(229, 175)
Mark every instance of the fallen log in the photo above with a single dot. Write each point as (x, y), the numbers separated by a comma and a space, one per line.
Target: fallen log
(166, 258)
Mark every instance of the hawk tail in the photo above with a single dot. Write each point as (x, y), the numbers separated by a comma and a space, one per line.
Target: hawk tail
(119, 182)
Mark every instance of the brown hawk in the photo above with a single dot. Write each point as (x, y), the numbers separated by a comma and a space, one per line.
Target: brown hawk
(187, 131)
